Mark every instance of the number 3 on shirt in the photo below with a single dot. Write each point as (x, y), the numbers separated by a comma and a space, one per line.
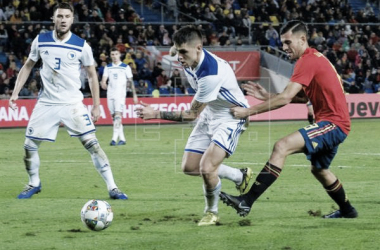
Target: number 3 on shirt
(57, 63)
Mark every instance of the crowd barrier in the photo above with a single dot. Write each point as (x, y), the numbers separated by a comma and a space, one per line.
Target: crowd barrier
(359, 106)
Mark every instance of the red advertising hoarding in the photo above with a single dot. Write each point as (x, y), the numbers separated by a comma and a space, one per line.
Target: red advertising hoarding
(359, 106)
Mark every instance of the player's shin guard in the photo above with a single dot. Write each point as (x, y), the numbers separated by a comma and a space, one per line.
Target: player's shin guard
(32, 161)
(100, 160)
(212, 198)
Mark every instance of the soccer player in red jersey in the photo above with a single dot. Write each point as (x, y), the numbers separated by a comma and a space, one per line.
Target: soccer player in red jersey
(315, 79)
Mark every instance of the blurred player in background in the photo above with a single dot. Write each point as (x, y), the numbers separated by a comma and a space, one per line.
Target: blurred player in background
(60, 100)
(118, 75)
(315, 79)
(216, 133)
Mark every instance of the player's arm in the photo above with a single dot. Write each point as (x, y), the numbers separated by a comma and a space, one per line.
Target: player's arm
(94, 87)
(103, 82)
(20, 81)
(300, 97)
(130, 81)
(274, 102)
(146, 112)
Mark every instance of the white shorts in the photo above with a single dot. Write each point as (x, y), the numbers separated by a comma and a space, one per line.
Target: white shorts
(225, 134)
(45, 120)
(116, 105)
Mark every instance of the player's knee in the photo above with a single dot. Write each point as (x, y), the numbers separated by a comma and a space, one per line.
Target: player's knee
(280, 147)
(90, 143)
(190, 169)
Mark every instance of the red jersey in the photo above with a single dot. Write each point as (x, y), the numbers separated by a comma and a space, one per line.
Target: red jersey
(323, 86)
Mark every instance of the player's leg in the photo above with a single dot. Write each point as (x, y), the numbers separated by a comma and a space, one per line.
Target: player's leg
(32, 166)
(79, 125)
(197, 144)
(43, 126)
(293, 143)
(335, 190)
(212, 186)
(322, 141)
(119, 105)
(102, 165)
(115, 134)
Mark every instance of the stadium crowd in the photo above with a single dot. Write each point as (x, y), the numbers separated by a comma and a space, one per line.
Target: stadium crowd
(347, 38)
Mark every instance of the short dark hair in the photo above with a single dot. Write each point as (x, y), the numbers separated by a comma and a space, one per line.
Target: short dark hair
(66, 6)
(115, 49)
(295, 26)
(187, 34)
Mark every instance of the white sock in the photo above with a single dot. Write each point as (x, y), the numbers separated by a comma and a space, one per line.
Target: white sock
(100, 160)
(230, 173)
(32, 165)
(116, 125)
(212, 198)
(121, 133)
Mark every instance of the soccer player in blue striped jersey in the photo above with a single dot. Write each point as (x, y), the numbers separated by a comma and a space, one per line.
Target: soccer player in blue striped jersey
(217, 132)
(60, 99)
(119, 75)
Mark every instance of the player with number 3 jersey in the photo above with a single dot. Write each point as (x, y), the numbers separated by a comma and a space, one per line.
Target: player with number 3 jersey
(60, 100)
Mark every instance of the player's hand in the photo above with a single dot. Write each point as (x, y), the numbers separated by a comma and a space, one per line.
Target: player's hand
(95, 113)
(146, 112)
(256, 90)
(12, 102)
(104, 86)
(172, 51)
(239, 112)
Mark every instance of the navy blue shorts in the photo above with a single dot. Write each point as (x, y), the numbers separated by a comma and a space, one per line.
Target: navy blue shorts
(322, 140)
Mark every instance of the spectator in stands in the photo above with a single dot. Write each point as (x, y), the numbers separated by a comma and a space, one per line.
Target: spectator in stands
(223, 38)
(3, 35)
(95, 17)
(132, 39)
(157, 69)
(368, 86)
(177, 82)
(3, 17)
(145, 73)
(140, 60)
(142, 87)
(162, 80)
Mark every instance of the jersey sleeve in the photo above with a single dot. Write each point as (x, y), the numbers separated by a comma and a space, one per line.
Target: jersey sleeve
(34, 54)
(128, 72)
(304, 71)
(105, 71)
(208, 89)
(87, 56)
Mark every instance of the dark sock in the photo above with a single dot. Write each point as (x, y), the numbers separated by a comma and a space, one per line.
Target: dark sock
(336, 192)
(266, 178)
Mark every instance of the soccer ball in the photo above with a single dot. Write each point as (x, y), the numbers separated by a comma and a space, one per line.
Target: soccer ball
(97, 215)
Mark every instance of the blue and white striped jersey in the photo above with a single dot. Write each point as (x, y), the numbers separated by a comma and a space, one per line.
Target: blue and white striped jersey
(215, 84)
(60, 70)
(118, 76)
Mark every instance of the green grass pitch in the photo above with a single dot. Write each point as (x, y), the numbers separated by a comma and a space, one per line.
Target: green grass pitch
(165, 205)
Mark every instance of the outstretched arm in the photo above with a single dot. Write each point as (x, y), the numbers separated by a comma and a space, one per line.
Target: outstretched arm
(20, 82)
(272, 103)
(146, 112)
